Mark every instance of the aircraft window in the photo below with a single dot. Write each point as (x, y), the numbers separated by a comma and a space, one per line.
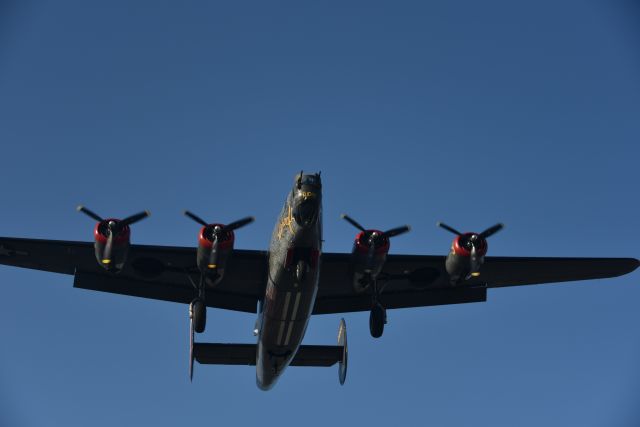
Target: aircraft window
(306, 213)
(309, 180)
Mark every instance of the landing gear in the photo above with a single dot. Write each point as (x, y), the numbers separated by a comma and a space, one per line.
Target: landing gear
(378, 314)
(198, 308)
(198, 315)
(377, 319)
(197, 319)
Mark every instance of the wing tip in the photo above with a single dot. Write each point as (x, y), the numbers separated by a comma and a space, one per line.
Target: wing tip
(624, 266)
(631, 264)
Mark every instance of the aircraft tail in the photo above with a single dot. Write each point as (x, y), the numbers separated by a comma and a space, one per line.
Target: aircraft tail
(245, 354)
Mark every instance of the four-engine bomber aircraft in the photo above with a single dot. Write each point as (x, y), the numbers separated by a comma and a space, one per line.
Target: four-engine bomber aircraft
(285, 285)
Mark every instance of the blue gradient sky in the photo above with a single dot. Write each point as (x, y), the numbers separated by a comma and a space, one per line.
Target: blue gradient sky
(466, 112)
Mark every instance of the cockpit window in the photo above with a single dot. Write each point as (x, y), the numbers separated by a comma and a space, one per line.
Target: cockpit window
(311, 180)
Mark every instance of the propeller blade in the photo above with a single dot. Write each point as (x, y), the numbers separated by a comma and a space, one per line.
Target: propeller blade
(133, 219)
(450, 229)
(239, 223)
(372, 249)
(196, 218)
(474, 263)
(213, 256)
(352, 222)
(106, 256)
(474, 257)
(491, 230)
(396, 231)
(89, 213)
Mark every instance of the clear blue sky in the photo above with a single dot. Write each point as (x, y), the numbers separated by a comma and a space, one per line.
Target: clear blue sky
(466, 112)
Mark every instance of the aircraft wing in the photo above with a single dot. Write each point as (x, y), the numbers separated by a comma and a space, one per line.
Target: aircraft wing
(157, 272)
(421, 280)
(168, 273)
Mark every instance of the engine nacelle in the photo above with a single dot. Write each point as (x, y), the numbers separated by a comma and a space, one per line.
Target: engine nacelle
(212, 259)
(368, 257)
(111, 237)
(117, 258)
(460, 264)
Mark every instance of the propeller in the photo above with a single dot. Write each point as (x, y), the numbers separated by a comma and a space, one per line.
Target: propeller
(448, 228)
(373, 236)
(132, 219)
(473, 236)
(114, 227)
(353, 222)
(196, 218)
(472, 241)
(491, 230)
(89, 213)
(238, 224)
(217, 232)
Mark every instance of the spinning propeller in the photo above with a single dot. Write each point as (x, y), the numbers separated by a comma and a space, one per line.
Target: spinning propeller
(216, 232)
(473, 242)
(113, 227)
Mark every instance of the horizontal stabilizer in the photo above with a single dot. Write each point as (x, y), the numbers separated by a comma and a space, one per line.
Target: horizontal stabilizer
(245, 354)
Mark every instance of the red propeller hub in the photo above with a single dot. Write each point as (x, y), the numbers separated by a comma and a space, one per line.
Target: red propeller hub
(205, 238)
(363, 243)
(101, 232)
(461, 249)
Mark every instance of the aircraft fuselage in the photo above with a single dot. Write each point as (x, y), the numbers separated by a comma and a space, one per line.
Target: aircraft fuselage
(292, 284)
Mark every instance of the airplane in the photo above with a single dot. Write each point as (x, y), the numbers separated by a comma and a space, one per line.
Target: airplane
(293, 280)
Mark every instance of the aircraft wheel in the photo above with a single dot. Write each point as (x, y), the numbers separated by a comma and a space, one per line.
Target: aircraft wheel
(199, 313)
(377, 320)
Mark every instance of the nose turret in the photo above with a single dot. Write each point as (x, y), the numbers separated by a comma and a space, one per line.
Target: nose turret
(307, 194)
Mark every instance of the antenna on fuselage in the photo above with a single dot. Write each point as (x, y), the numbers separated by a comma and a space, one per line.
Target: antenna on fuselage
(300, 180)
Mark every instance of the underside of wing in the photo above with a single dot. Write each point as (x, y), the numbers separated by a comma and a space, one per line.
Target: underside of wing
(169, 273)
(422, 280)
(158, 272)
(406, 281)
(56, 256)
(514, 271)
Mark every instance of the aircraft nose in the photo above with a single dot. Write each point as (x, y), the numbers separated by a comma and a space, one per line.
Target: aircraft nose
(306, 211)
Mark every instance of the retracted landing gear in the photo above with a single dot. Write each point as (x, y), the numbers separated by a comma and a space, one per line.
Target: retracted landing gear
(378, 314)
